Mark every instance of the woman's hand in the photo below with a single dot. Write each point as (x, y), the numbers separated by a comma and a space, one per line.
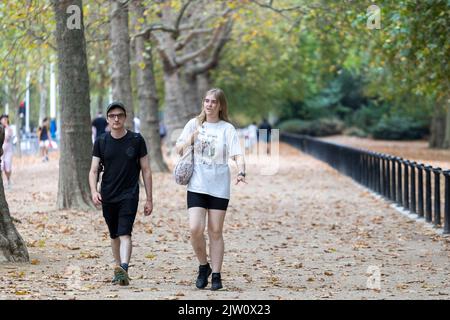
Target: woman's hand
(240, 178)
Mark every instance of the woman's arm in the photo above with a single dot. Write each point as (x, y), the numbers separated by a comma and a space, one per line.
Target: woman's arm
(180, 147)
(240, 162)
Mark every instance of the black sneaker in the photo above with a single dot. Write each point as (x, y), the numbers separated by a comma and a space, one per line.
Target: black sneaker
(203, 273)
(216, 282)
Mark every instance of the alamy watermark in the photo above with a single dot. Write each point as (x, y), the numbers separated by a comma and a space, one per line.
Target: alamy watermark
(374, 279)
(374, 17)
(74, 20)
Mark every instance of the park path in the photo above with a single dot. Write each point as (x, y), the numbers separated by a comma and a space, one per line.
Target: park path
(305, 233)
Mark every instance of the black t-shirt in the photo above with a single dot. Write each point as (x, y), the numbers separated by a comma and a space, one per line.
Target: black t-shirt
(44, 134)
(268, 127)
(121, 165)
(100, 125)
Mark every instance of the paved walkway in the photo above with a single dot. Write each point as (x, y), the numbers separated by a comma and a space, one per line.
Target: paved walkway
(304, 233)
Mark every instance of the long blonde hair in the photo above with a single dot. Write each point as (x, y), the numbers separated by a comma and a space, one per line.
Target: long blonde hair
(223, 105)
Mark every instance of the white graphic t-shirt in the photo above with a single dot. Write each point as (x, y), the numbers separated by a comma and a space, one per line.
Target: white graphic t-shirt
(215, 144)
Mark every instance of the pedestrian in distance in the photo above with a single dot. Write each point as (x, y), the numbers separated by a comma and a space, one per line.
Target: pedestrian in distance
(44, 138)
(7, 156)
(99, 125)
(122, 154)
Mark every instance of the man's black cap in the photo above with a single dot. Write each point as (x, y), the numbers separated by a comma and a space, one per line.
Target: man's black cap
(116, 104)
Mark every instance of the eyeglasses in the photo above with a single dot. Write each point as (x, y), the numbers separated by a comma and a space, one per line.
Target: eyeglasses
(119, 116)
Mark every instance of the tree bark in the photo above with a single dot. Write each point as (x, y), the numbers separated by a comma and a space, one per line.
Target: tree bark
(446, 143)
(121, 69)
(43, 95)
(203, 83)
(147, 97)
(12, 246)
(76, 145)
(18, 121)
(440, 124)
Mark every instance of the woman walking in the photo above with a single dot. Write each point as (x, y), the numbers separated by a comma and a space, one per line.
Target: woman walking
(44, 138)
(7, 149)
(215, 140)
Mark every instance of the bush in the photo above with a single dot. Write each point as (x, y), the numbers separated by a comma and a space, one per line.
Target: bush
(356, 132)
(294, 126)
(326, 127)
(399, 128)
(318, 128)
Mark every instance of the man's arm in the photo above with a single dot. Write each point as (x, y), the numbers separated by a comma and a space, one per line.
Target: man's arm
(96, 197)
(147, 177)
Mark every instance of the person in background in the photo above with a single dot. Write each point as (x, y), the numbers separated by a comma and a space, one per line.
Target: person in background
(44, 139)
(265, 125)
(99, 125)
(252, 131)
(137, 124)
(7, 149)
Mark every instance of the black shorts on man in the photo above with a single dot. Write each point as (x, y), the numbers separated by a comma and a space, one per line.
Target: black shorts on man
(120, 216)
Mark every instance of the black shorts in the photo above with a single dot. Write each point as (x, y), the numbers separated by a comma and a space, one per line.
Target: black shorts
(206, 201)
(119, 217)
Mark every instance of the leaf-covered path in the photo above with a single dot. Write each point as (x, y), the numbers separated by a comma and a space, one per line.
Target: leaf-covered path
(304, 233)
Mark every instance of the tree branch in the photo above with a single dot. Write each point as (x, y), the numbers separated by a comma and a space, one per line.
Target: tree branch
(183, 42)
(187, 57)
(155, 27)
(181, 13)
(213, 59)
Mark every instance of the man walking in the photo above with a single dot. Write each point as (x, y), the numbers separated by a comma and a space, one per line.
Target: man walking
(99, 125)
(122, 154)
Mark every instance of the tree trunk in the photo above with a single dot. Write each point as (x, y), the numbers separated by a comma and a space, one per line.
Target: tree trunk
(190, 88)
(121, 70)
(438, 125)
(76, 145)
(147, 96)
(18, 121)
(446, 143)
(174, 104)
(12, 246)
(203, 83)
(43, 95)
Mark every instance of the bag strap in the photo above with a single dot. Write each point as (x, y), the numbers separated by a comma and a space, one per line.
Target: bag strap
(102, 148)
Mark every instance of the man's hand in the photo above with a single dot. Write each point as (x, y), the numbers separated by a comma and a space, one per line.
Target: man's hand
(97, 198)
(148, 208)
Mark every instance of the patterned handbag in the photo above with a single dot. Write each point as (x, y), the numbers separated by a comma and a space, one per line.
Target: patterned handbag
(185, 167)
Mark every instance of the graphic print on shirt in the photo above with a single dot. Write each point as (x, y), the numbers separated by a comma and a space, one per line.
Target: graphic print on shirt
(207, 147)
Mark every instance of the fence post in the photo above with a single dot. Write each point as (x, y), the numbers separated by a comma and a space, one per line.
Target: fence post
(437, 197)
(428, 193)
(388, 177)
(447, 202)
(420, 190)
(406, 185)
(399, 181)
(394, 186)
(413, 187)
(371, 171)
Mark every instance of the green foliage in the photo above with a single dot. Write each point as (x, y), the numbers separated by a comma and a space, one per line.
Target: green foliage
(399, 128)
(318, 128)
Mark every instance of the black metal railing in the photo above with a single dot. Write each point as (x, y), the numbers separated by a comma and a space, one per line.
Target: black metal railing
(396, 179)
